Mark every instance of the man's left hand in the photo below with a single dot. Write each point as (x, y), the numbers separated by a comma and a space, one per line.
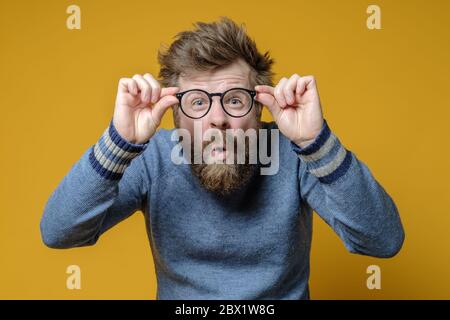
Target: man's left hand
(295, 107)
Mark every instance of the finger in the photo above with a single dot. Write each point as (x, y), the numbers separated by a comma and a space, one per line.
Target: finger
(304, 84)
(169, 91)
(156, 87)
(300, 88)
(127, 85)
(265, 95)
(270, 102)
(279, 95)
(290, 88)
(265, 89)
(162, 105)
(144, 87)
(310, 82)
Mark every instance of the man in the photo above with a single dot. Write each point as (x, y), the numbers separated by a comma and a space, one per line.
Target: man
(222, 230)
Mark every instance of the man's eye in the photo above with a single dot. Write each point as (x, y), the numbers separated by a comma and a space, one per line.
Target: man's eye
(234, 101)
(197, 104)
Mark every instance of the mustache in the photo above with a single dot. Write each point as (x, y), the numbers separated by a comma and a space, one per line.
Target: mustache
(235, 144)
(225, 137)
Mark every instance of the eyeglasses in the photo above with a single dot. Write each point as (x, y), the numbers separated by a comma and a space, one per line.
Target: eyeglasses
(196, 103)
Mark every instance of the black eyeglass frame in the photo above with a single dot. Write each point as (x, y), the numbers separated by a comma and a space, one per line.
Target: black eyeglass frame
(180, 95)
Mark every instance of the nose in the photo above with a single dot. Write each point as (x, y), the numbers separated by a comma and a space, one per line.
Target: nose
(217, 117)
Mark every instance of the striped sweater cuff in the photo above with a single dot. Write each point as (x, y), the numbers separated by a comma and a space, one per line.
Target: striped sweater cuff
(112, 154)
(326, 158)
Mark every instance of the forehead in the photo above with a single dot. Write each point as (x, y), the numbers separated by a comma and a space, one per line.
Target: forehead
(236, 74)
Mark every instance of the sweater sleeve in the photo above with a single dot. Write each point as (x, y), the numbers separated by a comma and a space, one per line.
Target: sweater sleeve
(105, 186)
(342, 190)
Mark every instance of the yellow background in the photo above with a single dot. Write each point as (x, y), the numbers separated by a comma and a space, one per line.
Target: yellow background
(385, 93)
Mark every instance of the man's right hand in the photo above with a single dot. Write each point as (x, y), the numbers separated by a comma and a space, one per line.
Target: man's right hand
(140, 106)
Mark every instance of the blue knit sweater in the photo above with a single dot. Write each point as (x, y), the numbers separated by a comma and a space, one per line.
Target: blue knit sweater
(253, 244)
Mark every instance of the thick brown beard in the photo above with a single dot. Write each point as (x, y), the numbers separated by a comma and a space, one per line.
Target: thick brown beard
(223, 178)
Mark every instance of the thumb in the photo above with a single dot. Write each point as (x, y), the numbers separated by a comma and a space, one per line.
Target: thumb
(162, 105)
(169, 91)
(269, 100)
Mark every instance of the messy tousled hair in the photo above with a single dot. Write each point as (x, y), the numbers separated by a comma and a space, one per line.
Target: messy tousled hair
(211, 46)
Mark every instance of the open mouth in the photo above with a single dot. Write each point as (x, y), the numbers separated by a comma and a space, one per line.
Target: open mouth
(219, 152)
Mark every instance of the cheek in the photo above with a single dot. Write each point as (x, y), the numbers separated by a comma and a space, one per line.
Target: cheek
(192, 126)
(247, 122)
(185, 122)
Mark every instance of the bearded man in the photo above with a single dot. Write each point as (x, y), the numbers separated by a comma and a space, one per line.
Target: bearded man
(218, 227)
